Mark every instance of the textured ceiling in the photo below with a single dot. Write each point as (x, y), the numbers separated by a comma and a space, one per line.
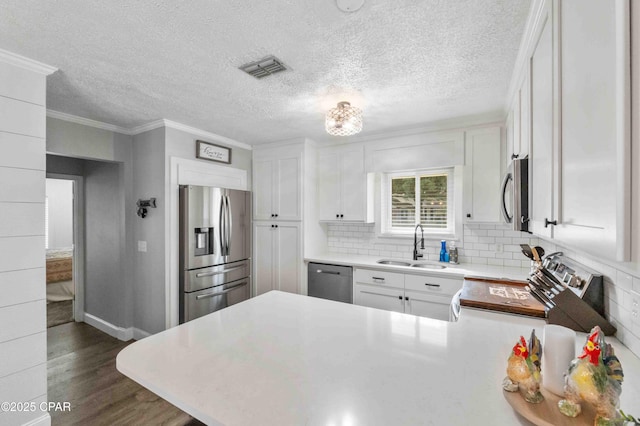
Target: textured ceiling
(404, 62)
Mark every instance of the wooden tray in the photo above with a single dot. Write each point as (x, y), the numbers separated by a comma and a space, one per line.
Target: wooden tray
(546, 413)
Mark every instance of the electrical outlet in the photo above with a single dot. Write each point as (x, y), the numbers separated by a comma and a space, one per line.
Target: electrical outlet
(142, 246)
(499, 248)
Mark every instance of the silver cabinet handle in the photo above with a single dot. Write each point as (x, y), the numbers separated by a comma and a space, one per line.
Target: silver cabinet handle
(320, 271)
(209, 274)
(432, 285)
(377, 279)
(219, 293)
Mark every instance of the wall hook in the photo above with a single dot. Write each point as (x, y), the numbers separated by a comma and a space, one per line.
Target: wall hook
(142, 206)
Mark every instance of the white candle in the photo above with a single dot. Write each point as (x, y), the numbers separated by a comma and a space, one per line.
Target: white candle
(558, 350)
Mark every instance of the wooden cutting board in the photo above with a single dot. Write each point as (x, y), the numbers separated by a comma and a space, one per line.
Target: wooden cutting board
(546, 413)
(500, 295)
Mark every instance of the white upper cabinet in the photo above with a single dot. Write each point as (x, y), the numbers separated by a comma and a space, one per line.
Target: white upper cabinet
(587, 181)
(482, 175)
(344, 188)
(542, 141)
(277, 184)
(575, 119)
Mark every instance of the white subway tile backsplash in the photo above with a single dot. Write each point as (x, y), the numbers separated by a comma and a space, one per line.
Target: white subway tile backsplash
(624, 280)
(495, 233)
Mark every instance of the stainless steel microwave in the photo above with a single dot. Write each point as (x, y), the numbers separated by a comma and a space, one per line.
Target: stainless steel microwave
(514, 198)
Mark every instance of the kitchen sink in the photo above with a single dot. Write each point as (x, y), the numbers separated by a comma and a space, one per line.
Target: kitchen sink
(411, 264)
(394, 262)
(427, 266)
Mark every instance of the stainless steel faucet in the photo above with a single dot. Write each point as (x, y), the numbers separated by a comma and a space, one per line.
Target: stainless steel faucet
(417, 255)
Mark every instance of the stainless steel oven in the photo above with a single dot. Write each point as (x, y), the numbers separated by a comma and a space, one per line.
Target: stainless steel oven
(514, 197)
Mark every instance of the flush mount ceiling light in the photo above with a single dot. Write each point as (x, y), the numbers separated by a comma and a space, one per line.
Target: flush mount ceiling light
(344, 120)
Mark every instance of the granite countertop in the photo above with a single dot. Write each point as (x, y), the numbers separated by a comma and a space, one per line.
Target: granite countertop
(282, 358)
(451, 270)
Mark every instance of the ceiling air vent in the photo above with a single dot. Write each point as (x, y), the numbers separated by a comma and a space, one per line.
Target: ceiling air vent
(264, 67)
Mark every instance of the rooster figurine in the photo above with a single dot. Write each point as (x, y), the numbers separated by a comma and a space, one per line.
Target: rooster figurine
(594, 377)
(523, 369)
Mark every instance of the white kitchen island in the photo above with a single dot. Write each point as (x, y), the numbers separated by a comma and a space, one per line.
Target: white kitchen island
(285, 359)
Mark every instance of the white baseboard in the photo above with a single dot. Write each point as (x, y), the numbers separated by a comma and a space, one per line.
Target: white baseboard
(140, 334)
(44, 420)
(120, 333)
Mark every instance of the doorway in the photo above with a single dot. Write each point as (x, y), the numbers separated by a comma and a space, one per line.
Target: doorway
(63, 244)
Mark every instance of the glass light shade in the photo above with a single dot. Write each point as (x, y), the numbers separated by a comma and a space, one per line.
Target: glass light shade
(344, 120)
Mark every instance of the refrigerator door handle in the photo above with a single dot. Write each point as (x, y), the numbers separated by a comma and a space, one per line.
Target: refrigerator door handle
(222, 227)
(229, 225)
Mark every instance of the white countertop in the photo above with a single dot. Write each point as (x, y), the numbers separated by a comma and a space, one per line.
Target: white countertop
(285, 359)
(451, 270)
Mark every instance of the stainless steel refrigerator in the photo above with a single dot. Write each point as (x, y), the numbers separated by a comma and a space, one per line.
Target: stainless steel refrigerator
(215, 249)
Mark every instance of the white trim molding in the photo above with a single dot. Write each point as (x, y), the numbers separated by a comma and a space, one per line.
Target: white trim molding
(43, 420)
(87, 122)
(26, 63)
(120, 333)
(146, 127)
(140, 334)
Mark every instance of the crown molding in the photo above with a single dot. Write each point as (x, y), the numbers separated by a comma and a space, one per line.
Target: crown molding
(87, 122)
(520, 67)
(494, 118)
(26, 63)
(146, 127)
(204, 134)
(152, 125)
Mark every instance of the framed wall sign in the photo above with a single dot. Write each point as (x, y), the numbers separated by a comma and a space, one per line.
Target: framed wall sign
(213, 152)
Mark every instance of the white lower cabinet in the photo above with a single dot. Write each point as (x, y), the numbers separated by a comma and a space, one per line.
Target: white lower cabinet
(422, 295)
(277, 258)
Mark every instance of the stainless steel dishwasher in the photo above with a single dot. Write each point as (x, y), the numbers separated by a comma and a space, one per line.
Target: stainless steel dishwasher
(331, 282)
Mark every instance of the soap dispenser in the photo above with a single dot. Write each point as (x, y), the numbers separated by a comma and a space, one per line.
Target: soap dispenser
(444, 256)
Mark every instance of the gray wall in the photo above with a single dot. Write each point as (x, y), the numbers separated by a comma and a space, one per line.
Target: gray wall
(108, 265)
(149, 267)
(105, 242)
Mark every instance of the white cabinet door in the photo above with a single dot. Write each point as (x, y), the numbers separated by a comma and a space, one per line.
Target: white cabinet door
(510, 135)
(389, 299)
(277, 187)
(353, 186)
(288, 261)
(288, 188)
(263, 257)
(516, 127)
(482, 175)
(263, 186)
(329, 186)
(588, 164)
(525, 118)
(437, 307)
(541, 169)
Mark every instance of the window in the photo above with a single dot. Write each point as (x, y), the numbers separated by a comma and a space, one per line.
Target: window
(424, 197)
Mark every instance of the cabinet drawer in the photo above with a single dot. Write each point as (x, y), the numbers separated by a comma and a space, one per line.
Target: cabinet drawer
(389, 279)
(436, 285)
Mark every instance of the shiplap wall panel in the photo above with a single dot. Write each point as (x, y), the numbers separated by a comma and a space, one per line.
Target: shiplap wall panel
(22, 118)
(25, 352)
(22, 185)
(22, 256)
(22, 286)
(18, 253)
(22, 320)
(24, 385)
(24, 417)
(21, 219)
(17, 83)
(25, 152)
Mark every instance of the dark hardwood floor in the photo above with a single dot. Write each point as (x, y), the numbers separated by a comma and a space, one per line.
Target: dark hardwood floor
(82, 370)
(59, 313)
